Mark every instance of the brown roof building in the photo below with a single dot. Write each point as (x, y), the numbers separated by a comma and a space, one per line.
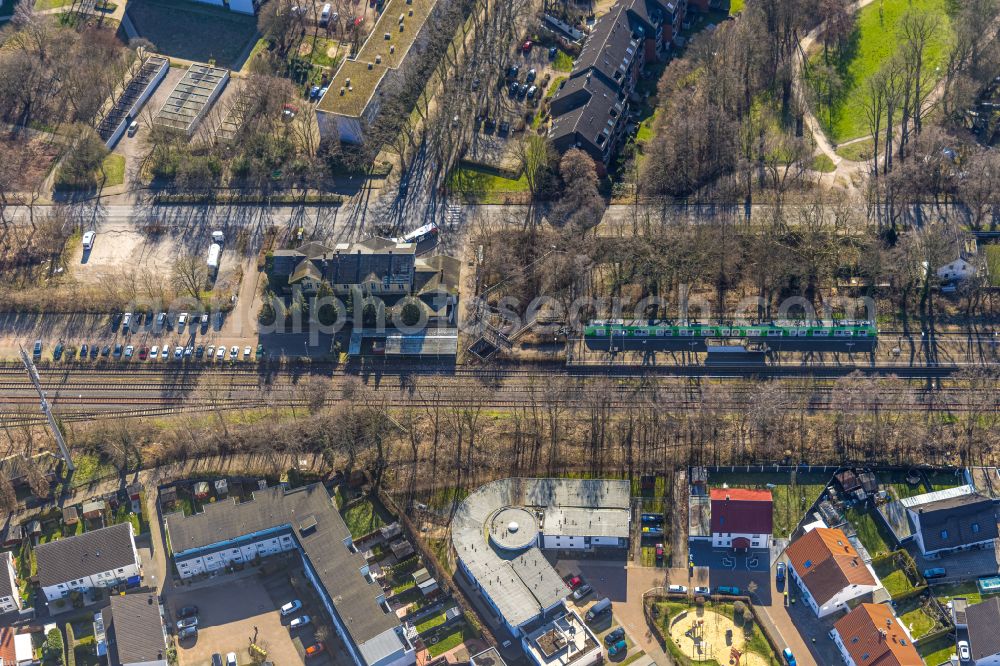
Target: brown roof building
(741, 518)
(830, 570)
(870, 635)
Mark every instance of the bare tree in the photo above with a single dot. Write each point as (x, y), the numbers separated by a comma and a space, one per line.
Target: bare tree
(189, 275)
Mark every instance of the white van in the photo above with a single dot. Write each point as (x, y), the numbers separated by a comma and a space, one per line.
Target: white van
(88, 240)
(324, 16)
(133, 128)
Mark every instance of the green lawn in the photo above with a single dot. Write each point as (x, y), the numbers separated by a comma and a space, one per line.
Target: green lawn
(456, 637)
(563, 62)
(554, 86)
(41, 5)
(946, 593)
(875, 40)
(869, 532)
(320, 55)
(938, 651)
(435, 620)
(364, 517)
(823, 164)
(859, 151)
(942, 480)
(645, 132)
(894, 579)
(993, 264)
(790, 501)
(485, 186)
(114, 170)
(915, 617)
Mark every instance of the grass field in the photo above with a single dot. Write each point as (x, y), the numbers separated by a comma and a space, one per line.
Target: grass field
(452, 640)
(364, 517)
(41, 5)
(946, 593)
(823, 164)
(893, 578)
(993, 264)
(790, 500)
(485, 186)
(874, 42)
(913, 615)
(114, 170)
(869, 532)
(194, 31)
(938, 651)
(563, 62)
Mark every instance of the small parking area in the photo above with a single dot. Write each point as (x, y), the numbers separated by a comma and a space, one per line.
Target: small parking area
(237, 611)
(961, 566)
(732, 569)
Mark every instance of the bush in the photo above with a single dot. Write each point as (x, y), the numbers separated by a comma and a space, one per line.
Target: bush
(70, 645)
(52, 651)
(82, 162)
(267, 315)
(410, 314)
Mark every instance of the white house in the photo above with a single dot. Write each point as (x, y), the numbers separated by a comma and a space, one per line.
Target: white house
(829, 570)
(871, 634)
(952, 520)
(956, 271)
(103, 558)
(10, 599)
(741, 519)
(574, 528)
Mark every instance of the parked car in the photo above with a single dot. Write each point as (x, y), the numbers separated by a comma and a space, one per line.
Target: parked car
(299, 622)
(723, 589)
(181, 321)
(204, 323)
(531, 75)
(789, 657)
(57, 352)
(178, 352)
(210, 352)
(126, 320)
(118, 350)
(316, 649)
(574, 582)
(231, 659)
(291, 606)
(94, 351)
(659, 552)
(936, 572)
(618, 648)
(216, 659)
(779, 572)
(199, 351)
(37, 351)
(106, 351)
(129, 350)
(165, 352)
(234, 352)
(143, 353)
(133, 127)
(553, 52)
(652, 518)
(187, 632)
(677, 589)
(526, 46)
(260, 351)
(964, 654)
(600, 608)
(84, 350)
(582, 592)
(187, 622)
(614, 636)
(531, 91)
(220, 353)
(702, 591)
(187, 611)
(88, 240)
(246, 352)
(188, 351)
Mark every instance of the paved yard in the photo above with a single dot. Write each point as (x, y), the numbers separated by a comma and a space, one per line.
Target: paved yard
(228, 615)
(961, 566)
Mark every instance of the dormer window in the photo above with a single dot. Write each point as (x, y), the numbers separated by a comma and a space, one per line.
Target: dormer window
(600, 139)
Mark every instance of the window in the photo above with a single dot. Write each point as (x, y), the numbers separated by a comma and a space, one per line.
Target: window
(944, 534)
(121, 570)
(975, 528)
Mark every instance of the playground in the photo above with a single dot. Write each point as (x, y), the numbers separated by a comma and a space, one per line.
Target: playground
(705, 635)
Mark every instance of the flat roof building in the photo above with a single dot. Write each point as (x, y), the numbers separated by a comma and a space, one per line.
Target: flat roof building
(192, 97)
(499, 529)
(303, 520)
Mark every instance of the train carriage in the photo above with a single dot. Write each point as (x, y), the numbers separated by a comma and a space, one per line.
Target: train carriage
(844, 336)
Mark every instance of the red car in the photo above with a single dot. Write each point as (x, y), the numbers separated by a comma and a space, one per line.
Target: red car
(314, 650)
(143, 353)
(659, 551)
(526, 46)
(574, 582)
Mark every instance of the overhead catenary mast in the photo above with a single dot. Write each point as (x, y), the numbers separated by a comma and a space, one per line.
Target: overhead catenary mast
(29, 365)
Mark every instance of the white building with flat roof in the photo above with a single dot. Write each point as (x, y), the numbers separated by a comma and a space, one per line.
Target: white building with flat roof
(563, 641)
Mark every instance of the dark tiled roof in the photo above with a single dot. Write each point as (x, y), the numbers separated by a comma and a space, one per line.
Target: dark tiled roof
(984, 619)
(134, 628)
(585, 123)
(85, 554)
(957, 521)
(610, 48)
(5, 589)
(740, 510)
(324, 545)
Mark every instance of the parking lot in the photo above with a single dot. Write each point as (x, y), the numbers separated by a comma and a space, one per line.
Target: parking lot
(235, 609)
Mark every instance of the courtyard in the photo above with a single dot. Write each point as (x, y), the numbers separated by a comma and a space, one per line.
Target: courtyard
(237, 610)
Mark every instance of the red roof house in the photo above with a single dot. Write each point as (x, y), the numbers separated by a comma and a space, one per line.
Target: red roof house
(741, 518)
